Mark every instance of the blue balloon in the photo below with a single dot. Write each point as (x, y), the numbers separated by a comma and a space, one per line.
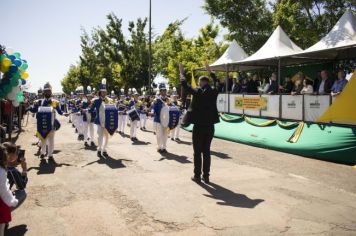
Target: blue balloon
(17, 62)
(23, 81)
(12, 58)
(13, 68)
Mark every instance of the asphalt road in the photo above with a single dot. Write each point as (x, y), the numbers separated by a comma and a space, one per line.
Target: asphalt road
(139, 192)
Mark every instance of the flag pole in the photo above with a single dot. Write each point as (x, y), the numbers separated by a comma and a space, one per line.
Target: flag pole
(150, 49)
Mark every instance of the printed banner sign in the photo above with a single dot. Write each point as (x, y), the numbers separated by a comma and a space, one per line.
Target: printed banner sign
(233, 109)
(315, 106)
(272, 109)
(222, 104)
(292, 107)
(111, 119)
(249, 102)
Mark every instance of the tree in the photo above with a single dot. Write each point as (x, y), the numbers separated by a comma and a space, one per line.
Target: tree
(249, 21)
(307, 21)
(72, 79)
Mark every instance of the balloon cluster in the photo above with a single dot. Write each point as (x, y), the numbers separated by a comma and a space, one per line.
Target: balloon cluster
(14, 76)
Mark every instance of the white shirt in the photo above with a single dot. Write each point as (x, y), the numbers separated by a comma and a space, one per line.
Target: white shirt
(5, 192)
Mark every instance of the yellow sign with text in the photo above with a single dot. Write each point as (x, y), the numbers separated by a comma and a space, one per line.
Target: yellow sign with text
(255, 103)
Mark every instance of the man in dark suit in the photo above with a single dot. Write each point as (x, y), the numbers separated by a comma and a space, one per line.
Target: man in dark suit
(325, 83)
(203, 114)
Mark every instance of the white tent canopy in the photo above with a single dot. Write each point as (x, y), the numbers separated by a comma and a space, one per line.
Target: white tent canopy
(339, 43)
(342, 34)
(232, 54)
(277, 46)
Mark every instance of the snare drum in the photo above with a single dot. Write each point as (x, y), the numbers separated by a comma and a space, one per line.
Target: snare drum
(133, 114)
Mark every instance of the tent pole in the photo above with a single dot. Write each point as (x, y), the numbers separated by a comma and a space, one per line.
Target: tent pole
(279, 72)
(227, 96)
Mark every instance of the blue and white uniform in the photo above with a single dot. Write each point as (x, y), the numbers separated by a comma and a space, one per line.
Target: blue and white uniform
(133, 127)
(122, 108)
(161, 132)
(49, 141)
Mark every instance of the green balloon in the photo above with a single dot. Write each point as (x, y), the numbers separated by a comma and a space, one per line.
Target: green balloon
(2, 57)
(17, 75)
(24, 66)
(7, 88)
(20, 96)
(17, 55)
(14, 82)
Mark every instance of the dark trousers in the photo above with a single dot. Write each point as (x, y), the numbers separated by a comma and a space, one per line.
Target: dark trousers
(15, 178)
(202, 136)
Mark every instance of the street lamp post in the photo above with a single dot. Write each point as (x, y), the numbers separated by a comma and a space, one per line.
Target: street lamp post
(149, 50)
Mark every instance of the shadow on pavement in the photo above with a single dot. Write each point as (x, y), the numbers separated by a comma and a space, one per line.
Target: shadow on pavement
(138, 142)
(110, 162)
(47, 167)
(184, 142)
(174, 157)
(220, 155)
(227, 197)
(18, 230)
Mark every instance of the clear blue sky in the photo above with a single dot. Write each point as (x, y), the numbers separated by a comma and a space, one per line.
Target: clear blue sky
(47, 32)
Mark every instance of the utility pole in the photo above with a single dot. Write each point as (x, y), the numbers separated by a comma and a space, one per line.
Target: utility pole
(149, 50)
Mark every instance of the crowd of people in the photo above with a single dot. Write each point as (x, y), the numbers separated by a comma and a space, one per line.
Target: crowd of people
(323, 84)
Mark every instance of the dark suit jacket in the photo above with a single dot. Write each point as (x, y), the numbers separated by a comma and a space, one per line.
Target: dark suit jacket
(202, 110)
(327, 86)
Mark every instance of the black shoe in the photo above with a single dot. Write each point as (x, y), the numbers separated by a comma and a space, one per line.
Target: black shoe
(196, 179)
(42, 156)
(178, 140)
(206, 179)
(172, 139)
(154, 133)
(141, 128)
(92, 144)
(164, 151)
(86, 144)
(50, 158)
(159, 150)
(98, 153)
(144, 128)
(76, 130)
(135, 139)
(105, 154)
(79, 137)
(132, 139)
(73, 125)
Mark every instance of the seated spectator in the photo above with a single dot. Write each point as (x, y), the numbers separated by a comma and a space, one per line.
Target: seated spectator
(339, 84)
(307, 87)
(325, 84)
(253, 84)
(273, 88)
(243, 86)
(265, 86)
(288, 85)
(236, 86)
(298, 84)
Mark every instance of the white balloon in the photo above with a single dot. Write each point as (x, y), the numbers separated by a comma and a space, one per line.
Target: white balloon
(10, 51)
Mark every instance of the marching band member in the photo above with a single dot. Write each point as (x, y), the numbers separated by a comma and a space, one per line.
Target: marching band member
(161, 132)
(78, 103)
(143, 113)
(88, 118)
(122, 108)
(48, 140)
(134, 103)
(175, 132)
(96, 107)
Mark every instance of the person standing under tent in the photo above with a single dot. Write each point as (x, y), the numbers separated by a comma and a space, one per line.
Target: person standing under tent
(203, 114)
